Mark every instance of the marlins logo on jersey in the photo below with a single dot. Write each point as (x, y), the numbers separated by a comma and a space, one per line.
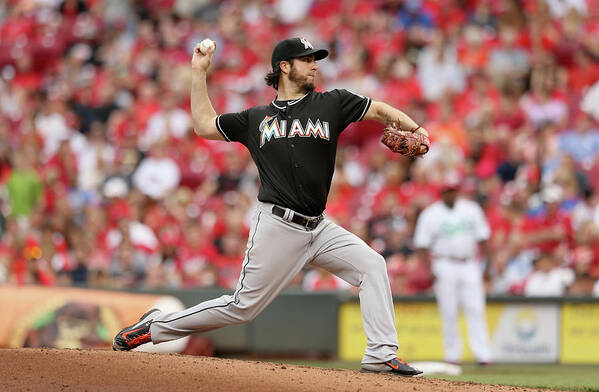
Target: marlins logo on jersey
(271, 127)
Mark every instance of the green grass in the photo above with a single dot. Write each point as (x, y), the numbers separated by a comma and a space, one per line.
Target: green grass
(560, 377)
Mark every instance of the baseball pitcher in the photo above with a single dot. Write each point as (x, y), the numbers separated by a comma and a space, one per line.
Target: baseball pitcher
(293, 142)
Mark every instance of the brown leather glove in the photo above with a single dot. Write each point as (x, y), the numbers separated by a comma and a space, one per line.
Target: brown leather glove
(407, 143)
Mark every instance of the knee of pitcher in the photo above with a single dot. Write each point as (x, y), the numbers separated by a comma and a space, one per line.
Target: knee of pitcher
(380, 265)
(376, 267)
(244, 314)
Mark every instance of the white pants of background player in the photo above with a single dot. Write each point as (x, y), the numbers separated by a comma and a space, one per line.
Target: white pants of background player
(460, 284)
(277, 251)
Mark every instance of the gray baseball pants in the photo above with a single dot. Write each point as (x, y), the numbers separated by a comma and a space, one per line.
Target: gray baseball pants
(277, 250)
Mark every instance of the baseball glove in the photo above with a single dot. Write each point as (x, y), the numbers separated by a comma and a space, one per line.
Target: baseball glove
(407, 143)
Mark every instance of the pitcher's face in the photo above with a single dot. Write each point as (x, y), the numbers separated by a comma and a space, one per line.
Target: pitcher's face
(303, 72)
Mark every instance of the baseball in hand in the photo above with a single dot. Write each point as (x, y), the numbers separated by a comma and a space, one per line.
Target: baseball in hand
(207, 46)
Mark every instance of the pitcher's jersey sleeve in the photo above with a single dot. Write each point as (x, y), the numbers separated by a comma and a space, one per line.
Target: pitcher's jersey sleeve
(423, 234)
(233, 126)
(353, 107)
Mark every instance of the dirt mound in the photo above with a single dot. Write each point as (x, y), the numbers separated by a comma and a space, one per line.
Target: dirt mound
(103, 370)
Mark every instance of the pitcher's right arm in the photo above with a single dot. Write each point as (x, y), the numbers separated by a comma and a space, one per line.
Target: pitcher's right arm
(203, 115)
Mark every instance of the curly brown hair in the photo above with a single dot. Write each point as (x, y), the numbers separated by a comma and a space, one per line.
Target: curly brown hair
(272, 78)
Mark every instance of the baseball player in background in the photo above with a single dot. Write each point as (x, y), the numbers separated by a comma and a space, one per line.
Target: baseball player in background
(447, 236)
(293, 142)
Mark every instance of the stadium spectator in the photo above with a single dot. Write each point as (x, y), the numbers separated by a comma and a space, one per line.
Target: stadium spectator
(95, 159)
(128, 266)
(228, 258)
(582, 142)
(548, 278)
(169, 122)
(439, 71)
(548, 228)
(508, 60)
(157, 174)
(583, 281)
(194, 255)
(23, 185)
(95, 135)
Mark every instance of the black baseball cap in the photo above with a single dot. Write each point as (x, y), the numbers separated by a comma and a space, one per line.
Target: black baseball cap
(295, 47)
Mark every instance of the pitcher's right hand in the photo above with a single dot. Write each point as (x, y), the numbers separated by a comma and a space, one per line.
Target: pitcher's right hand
(201, 61)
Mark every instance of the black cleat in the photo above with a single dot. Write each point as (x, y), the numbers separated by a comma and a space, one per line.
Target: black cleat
(136, 334)
(394, 366)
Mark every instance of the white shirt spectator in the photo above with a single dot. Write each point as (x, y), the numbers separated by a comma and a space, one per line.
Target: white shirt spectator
(503, 61)
(549, 284)
(507, 60)
(583, 146)
(516, 272)
(561, 8)
(175, 121)
(538, 113)
(89, 159)
(157, 176)
(11, 100)
(439, 75)
(53, 129)
(582, 213)
(141, 236)
(292, 11)
(452, 232)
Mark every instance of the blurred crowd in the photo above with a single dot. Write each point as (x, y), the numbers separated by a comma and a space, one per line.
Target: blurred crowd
(104, 184)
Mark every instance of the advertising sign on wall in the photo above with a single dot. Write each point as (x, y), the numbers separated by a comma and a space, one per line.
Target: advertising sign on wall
(580, 333)
(74, 318)
(527, 333)
(518, 333)
(418, 327)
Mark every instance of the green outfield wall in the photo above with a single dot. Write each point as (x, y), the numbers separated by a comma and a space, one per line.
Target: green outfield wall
(539, 330)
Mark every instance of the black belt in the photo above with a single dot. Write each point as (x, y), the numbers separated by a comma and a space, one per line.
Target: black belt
(308, 223)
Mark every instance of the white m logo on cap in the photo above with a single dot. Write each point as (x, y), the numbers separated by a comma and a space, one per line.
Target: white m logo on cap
(307, 44)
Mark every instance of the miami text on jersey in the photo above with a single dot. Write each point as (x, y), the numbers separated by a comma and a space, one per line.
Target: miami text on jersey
(278, 129)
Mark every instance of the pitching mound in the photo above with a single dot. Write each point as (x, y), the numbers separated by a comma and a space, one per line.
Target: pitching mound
(102, 370)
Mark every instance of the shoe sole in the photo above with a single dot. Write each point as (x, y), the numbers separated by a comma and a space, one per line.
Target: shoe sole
(144, 318)
(389, 372)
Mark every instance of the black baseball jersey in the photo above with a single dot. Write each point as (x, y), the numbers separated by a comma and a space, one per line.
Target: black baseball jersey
(294, 144)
